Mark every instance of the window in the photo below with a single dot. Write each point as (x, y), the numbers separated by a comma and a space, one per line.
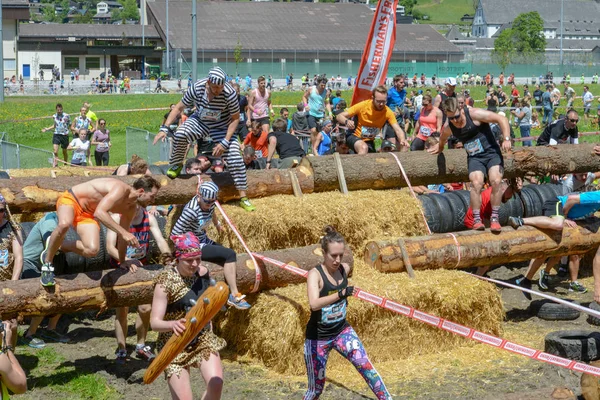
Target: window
(92, 63)
(71, 63)
(10, 64)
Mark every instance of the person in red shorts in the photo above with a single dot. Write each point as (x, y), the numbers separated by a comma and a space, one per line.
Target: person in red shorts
(507, 188)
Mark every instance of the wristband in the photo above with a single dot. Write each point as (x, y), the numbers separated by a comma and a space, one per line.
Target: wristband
(164, 128)
(8, 348)
(225, 143)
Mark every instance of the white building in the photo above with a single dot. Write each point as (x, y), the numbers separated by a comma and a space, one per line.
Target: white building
(13, 11)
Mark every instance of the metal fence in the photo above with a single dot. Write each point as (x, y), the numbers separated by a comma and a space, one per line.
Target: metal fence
(38, 88)
(14, 155)
(139, 142)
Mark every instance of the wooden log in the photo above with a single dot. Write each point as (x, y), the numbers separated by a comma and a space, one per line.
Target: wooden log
(206, 307)
(40, 193)
(116, 288)
(380, 171)
(480, 248)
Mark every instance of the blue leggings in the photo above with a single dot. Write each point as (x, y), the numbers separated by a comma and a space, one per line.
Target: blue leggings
(347, 343)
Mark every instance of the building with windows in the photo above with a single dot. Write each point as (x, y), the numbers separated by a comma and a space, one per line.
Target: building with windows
(92, 49)
(13, 11)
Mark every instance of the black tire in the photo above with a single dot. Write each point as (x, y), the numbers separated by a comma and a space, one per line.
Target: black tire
(591, 319)
(545, 192)
(458, 209)
(446, 217)
(74, 263)
(4, 175)
(101, 260)
(580, 345)
(550, 311)
(432, 213)
(531, 201)
(155, 169)
(512, 208)
(517, 209)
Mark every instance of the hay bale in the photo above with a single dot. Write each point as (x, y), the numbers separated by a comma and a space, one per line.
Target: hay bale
(282, 221)
(62, 171)
(272, 331)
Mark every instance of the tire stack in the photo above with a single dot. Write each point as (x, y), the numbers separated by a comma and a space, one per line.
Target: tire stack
(445, 212)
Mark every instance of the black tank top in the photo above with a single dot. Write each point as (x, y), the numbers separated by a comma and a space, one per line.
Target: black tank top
(476, 139)
(492, 105)
(329, 321)
(128, 169)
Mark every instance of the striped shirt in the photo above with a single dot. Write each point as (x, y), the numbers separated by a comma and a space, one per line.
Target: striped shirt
(194, 219)
(216, 114)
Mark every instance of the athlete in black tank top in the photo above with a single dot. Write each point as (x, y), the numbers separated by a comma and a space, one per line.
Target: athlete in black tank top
(484, 157)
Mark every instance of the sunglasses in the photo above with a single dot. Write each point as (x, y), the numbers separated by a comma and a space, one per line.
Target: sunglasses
(574, 120)
(102, 123)
(454, 117)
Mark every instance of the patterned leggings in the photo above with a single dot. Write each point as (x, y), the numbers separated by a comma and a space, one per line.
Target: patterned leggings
(191, 130)
(348, 345)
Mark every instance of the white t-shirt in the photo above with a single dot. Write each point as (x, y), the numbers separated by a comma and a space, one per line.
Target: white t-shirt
(588, 98)
(80, 154)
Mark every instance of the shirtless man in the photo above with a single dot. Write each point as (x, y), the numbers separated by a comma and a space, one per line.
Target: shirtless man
(86, 204)
(259, 103)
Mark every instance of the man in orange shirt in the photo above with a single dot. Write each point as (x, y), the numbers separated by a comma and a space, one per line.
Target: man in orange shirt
(257, 138)
(369, 118)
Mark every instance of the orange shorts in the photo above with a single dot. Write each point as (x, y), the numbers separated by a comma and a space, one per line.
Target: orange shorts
(81, 216)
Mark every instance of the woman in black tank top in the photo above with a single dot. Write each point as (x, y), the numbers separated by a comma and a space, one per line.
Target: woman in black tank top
(327, 328)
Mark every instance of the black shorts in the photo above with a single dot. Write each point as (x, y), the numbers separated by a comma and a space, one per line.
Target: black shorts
(217, 254)
(313, 122)
(262, 121)
(484, 161)
(552, 208)
(62, 140)
(417, 144)
(352, 139)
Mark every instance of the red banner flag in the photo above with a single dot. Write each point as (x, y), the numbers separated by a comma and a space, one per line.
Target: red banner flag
(378, 51)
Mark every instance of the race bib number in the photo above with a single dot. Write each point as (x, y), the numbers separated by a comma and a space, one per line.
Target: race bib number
(425, 131)
(136, 253)
(3, 258)
(369, 133)
(78, 158)
(474, 147)
(208, 115)
(333, 313)
(103, 146)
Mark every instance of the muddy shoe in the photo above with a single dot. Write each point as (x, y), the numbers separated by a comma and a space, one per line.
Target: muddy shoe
(495, 225)
(524, 283)
(121, 356)
(238, 302)
(544, 280)
(144, 352)
(174, 171)
(515, 222)
(47, 277)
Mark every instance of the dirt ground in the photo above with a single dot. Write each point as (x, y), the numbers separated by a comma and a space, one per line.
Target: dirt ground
(85, 368)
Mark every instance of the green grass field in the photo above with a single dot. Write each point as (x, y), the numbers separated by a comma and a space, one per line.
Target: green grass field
(445, 11)
(29, 132)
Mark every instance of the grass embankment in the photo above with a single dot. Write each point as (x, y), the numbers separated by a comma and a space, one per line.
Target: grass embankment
(445, 11)
(19, 109)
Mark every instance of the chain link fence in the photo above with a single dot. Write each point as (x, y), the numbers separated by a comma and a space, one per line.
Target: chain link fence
(40, 88)
(139, 142)
(14, 155)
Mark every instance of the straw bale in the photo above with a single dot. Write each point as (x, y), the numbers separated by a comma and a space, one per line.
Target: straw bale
(272, 331)
(61, 171)
(286, 221)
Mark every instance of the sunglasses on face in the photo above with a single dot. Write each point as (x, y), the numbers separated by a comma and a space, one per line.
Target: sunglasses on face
(574, 120)
(454, 117)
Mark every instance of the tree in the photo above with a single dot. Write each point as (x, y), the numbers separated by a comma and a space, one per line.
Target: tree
(86, 18)
(237, 54)
(504, 48)
(130, 11)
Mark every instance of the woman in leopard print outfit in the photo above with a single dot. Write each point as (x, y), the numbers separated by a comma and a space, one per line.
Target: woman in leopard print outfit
(181, 281)
(11, 245)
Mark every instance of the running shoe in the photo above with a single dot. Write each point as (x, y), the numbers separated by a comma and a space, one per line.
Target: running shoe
(495, 225)
(544, 280)
(32, 341)
(478, 226)
(515, 222)
(577, 287)
(52, 335)
(47, 277)
(121, 356)
(524, 283)
(174, 171)
(144, 352)
(45, 251)
(238, 302)
(246, 205)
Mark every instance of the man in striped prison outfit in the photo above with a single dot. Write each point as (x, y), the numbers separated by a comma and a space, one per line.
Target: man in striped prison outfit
(216, 119)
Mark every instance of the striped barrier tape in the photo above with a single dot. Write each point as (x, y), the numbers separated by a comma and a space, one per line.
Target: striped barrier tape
(454, 327)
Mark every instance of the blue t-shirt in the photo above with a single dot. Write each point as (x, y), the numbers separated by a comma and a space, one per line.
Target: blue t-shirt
(335, 101)
(395, 98)
(289, 126)
(547, 101)
(589, 203)
(324, 144)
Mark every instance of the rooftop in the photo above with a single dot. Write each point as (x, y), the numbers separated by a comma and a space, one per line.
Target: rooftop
(87, 31)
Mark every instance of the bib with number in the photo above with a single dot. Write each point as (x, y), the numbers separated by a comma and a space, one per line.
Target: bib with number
(4, 258)
(474, 147)
(136, 253)
(209, 115)
(369, 133)
(425, 131)
(78, 158)
(333, 313)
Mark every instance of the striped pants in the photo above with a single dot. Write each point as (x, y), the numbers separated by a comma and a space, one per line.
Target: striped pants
(192, 130)
(347, 343)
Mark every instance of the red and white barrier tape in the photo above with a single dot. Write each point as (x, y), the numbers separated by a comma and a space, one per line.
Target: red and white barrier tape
(239, 236)
(453, 327)
(411, 189)
(578, 307)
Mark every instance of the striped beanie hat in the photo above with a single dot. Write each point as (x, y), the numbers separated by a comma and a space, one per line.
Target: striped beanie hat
(217, 76)
(208, 191)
